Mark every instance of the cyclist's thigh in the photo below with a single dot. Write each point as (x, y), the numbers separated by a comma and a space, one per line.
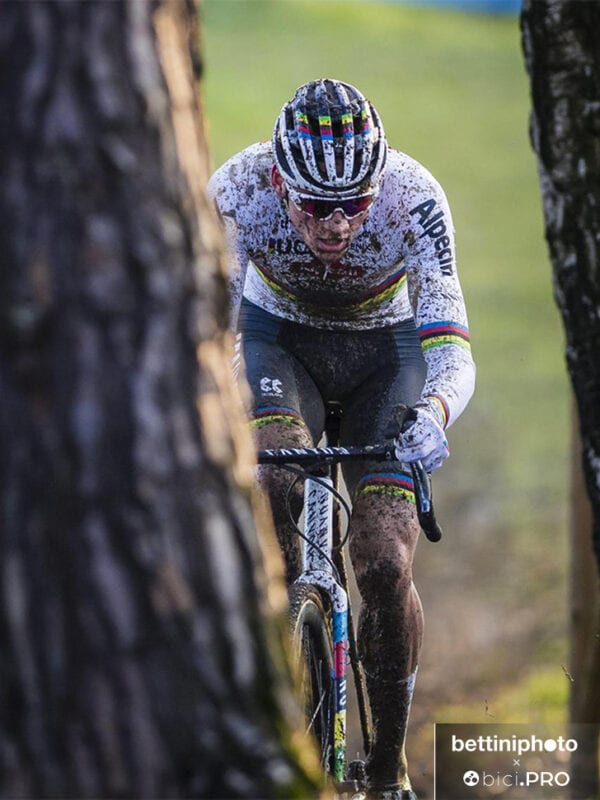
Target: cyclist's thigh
(284, 396)
(369, 412)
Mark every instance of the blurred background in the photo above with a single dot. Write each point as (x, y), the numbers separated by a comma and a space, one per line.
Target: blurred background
(450, 84)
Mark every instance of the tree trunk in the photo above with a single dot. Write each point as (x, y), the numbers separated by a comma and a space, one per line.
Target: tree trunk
(584, 666)
(560, 43)
(135, 657)
(560, 40)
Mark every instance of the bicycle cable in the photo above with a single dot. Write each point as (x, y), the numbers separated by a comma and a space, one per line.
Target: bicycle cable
(299, 473)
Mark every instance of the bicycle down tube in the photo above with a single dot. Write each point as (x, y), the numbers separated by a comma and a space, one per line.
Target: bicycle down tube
(318, 569)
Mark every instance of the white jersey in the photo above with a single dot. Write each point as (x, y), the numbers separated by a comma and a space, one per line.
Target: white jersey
(400, 264)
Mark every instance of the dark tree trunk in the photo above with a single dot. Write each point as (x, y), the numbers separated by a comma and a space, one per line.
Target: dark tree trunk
(560, 40)
(560, 43)
(135, 657)
(584, 618)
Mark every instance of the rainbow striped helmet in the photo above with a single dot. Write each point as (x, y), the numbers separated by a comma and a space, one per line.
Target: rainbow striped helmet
(329, 140)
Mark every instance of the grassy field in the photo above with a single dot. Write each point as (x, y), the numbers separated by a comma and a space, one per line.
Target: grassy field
(452, 91)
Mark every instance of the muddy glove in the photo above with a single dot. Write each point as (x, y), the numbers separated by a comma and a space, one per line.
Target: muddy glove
(424, 441)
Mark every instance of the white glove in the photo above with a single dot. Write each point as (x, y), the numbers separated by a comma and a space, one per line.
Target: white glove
(424, 441)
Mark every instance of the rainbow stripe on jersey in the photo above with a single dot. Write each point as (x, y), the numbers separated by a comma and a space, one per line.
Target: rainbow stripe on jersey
(379, 294)
(436, 334)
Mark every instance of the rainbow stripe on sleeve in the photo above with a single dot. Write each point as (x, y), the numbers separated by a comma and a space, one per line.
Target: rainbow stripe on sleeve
(436, 334)
(442, 405)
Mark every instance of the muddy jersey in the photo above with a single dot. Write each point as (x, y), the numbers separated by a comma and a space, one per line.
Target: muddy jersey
(400, 264)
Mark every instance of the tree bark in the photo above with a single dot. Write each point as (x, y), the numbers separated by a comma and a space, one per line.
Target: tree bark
(136, 660)
(563, 60)
(560, 43)
(584, 663)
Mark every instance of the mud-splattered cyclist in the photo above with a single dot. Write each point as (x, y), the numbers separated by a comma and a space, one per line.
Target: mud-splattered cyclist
(344, 287)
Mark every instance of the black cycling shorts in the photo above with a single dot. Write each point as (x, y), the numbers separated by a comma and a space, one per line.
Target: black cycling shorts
(294, 370)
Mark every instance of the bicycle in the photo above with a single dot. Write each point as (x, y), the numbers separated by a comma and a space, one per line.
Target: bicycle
(321, 618)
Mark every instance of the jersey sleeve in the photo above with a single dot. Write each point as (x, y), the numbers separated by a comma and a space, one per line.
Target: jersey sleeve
(223, 188)
(438, 305)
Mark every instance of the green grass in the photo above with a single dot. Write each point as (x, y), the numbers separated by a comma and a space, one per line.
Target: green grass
(539, 698)
(452, 91)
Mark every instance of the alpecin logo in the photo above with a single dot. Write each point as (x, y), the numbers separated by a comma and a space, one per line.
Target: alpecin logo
(435, 227)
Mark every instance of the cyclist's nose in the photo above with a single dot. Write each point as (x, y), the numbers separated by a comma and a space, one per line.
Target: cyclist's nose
(338, 221)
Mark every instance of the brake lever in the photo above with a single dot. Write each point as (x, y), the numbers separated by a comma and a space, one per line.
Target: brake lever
(423, 499)
(404, 417)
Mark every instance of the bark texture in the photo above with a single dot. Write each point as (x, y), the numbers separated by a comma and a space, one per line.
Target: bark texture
(560, 43)
(135, 660)
(584, 619)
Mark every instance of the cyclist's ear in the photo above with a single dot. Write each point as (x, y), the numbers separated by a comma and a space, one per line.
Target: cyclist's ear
(278, 183)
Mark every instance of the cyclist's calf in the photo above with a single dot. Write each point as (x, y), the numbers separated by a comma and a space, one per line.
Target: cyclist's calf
(383, 538)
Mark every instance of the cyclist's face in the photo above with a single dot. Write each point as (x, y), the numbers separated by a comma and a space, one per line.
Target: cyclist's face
(329, 239)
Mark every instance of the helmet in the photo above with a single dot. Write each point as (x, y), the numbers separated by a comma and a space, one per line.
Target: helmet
(329, 141)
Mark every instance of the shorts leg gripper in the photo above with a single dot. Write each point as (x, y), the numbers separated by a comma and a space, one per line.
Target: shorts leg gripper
(267, 414)
(395, 484)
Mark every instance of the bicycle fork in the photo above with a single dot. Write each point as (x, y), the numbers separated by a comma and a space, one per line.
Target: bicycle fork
(318, 569)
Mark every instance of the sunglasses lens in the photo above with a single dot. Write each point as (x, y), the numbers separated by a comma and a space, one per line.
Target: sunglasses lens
(323, 209)
(310, 206)
(357, 205)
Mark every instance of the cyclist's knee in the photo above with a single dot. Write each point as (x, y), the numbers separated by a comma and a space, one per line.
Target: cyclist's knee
(279, 428)
(276, 433)
(384, 533)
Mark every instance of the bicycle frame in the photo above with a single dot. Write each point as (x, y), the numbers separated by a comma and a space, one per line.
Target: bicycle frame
(318, 569)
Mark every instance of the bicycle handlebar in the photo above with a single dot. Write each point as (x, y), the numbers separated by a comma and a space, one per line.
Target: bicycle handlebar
(314, 456)
(326, 455)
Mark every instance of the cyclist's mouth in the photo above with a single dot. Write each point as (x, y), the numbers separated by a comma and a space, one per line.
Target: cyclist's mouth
(332, 245)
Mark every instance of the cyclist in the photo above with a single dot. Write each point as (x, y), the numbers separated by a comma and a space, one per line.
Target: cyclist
(344, 287)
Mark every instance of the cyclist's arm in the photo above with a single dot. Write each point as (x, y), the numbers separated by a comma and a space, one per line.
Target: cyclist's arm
(224, 192)
(438, 305)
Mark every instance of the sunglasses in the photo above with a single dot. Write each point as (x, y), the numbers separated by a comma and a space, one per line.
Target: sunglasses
(325, 209)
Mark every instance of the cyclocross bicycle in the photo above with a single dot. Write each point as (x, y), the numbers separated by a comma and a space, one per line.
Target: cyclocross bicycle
(322, 623)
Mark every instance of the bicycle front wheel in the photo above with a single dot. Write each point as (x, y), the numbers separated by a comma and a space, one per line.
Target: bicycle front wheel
(313, 656)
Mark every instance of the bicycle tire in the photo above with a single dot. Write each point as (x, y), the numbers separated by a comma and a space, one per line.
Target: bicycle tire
(313, 656)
